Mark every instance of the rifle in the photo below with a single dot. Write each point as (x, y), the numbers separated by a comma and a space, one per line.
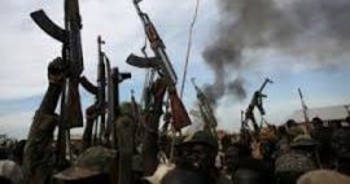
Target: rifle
(206, 110)
(304, 106)
(163, 66)
(101, 93)
(111, 106)
(113, 79)
(117, 78)
(305, 109)
(71, 114)
(256, 102)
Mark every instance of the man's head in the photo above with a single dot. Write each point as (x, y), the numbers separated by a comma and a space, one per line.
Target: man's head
(203, 150)
(126, 109)
(347, 119)
(234, 153)
(305, 144)
(291, 123)
(317, 122)
(334, 125)
(92, 166)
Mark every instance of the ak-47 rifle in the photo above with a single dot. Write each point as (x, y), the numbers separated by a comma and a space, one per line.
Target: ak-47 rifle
(71, 114)
(117, 78)
(304, 106)
(206, 110)
(101, 92)
(163, 66)
(305, 112)
(256, 102)
(114, 78)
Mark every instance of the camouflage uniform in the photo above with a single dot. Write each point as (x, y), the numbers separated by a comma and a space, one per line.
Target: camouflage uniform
(290, 166)
(294, 162)
(37, 158)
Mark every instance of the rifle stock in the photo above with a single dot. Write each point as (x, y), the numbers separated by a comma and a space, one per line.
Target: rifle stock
(74, 115)
(180, 115)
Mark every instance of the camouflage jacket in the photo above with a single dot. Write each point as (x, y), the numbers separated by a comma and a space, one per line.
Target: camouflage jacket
(294, 162)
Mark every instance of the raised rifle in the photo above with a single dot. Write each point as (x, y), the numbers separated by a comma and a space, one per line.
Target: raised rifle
(206, 110)
(114, 78)
(304, 106)
(305, 112)
(257, 101)
(162, 64)
(117, 78)
(101, 92)
(72, 54)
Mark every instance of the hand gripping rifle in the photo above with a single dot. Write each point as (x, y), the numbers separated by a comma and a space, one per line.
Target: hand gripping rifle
(71, 114)
(163, 66)
(257, 101)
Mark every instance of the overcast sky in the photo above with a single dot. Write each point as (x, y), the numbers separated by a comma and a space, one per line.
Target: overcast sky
(26, 51)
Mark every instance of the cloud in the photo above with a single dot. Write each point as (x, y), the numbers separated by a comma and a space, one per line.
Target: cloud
(302, 34)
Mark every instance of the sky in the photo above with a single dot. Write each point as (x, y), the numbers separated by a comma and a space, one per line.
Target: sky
(26, 52)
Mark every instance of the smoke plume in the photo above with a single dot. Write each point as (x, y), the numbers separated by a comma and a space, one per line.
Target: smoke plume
(312, 28)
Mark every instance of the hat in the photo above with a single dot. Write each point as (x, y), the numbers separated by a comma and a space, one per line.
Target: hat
(303, 141)
(295, 132)
(126, 108)
(202, 137)
(94, 161)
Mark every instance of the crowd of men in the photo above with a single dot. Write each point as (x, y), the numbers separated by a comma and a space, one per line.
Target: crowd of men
(128, 146)
(276, 154)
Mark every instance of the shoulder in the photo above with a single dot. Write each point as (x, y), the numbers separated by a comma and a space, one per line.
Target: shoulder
(294, 162)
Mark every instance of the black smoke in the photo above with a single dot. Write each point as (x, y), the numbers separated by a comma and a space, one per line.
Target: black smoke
(319, 29)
